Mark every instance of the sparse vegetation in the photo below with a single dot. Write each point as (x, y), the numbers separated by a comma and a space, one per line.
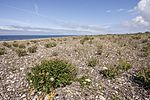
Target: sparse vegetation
(51, 74)
(21, 52)
(15, 44)
(86, 38)
(32, 49)
(84, 81)
(143, 77)
(2, 51)
(51, 44)
(145, 50)
(99, 49)
(6, 44)
(113, 71)
(34, 41)
(92, 62)
(22, 46)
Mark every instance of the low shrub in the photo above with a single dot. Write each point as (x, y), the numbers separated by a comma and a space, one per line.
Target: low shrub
(92, 62)
(143, 77)
(15, 44)
(84, 81)
(112, 72)
(51, 44)
(145, 50)
(51, 74)
(22, 46)
(32, 49)
(86, 38)
(99, 49)
(21, 52)
(124, 65)
(6, 44)
(2, 51)
(34, 41)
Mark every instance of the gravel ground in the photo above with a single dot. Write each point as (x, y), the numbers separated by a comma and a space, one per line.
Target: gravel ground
(13, 69)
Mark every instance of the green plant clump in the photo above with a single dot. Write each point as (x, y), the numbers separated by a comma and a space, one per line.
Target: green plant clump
(99, 49)
(143, 76)
(84, 81)
(86, 38)
(92, 62)
(2, 51)
(112, 72)
(21, 52)
(32, 49)
(145, 50)
(22, 46)
(15, 44)
(6, 44)
(51, 74)
(124, 66)
(51, 44)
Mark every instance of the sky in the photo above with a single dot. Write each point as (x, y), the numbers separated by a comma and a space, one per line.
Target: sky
(74, 17)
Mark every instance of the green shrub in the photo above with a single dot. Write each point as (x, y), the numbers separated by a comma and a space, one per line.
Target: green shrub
(84, 81)
(15, 44)
(99, 49)
(6, 44)
(51, 74)
(144, 40)
(21, 52)
(92, 62)
(22, 46)
(2, 51)
(51, 44)
(145, 50)
(143, 77)
(110, 72)
(32, 49)
(137, 37)
(34, 41)
(86, 38)
(124, 65)
(114, 71)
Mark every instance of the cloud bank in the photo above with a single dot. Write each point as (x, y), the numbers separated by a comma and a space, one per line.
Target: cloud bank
(142, 21)
(11, 29)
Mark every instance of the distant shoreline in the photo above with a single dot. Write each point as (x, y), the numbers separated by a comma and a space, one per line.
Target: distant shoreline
(29, 37)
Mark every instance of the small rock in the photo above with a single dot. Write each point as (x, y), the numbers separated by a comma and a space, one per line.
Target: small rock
(101, 98)
(52, 79)
(46, 97)
(88, 80)
(35, 97)
(104, 68)
(33, 92)
(23, 96)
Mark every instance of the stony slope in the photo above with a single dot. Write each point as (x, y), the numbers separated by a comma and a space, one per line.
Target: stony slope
(106, 49)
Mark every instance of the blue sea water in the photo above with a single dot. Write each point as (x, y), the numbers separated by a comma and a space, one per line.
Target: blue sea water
(25, 37)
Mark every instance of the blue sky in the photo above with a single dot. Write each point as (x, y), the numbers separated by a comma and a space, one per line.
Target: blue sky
(70, 16)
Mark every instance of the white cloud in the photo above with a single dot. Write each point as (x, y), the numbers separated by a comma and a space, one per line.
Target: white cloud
(144, 8)
(120, 10)
(142, 21)
(139, 20)
(27, 29)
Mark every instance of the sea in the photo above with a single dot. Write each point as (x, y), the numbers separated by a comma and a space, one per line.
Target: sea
(27, 37)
